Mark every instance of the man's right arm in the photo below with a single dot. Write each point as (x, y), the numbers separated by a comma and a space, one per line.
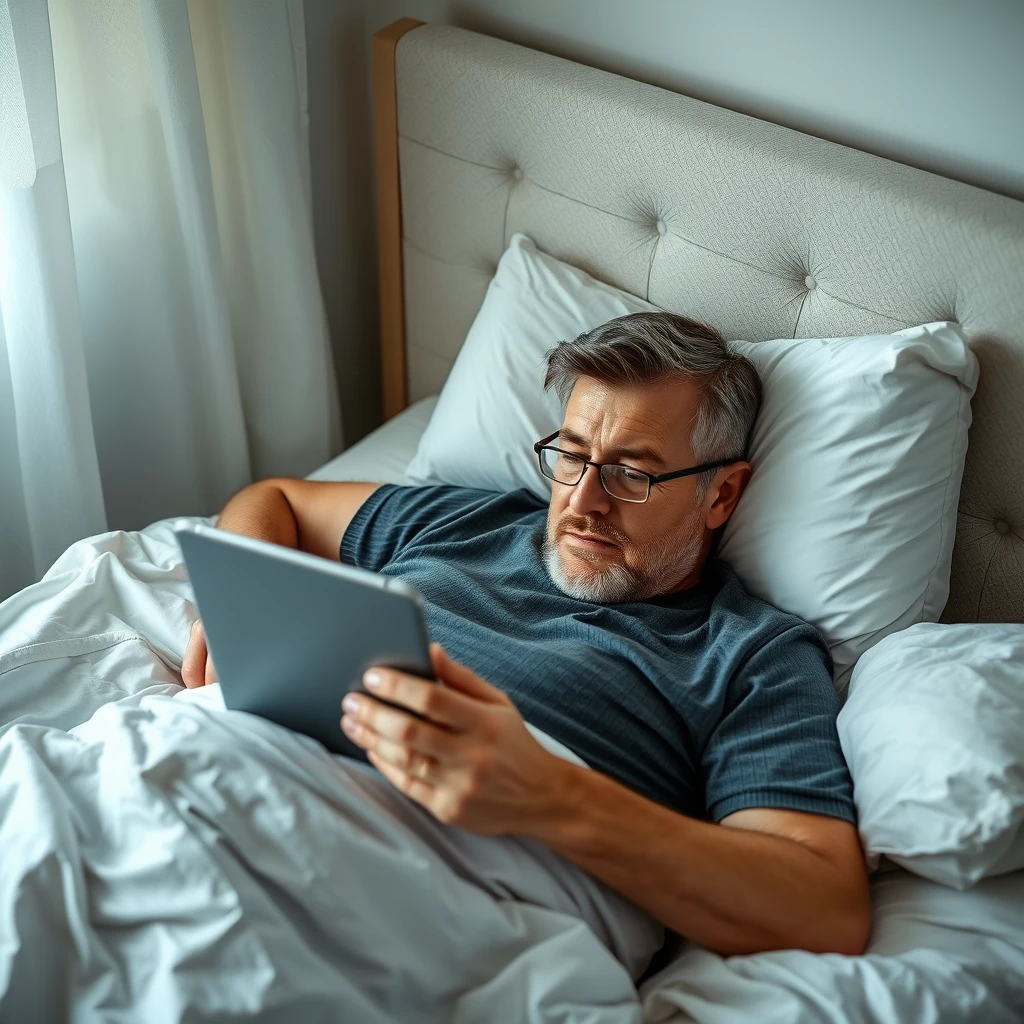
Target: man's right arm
(311, 515)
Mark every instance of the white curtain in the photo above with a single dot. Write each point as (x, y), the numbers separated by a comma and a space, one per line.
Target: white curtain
(162, 335)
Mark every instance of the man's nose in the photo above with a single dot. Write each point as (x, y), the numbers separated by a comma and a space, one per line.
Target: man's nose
(589, 496)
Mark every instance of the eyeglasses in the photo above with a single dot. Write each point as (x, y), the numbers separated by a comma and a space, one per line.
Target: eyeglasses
(622, 482)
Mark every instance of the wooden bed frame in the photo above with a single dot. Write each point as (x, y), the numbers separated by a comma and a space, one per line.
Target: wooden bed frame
(394, 386)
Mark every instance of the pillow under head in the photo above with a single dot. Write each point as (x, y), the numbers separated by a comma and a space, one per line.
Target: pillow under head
(858, 450)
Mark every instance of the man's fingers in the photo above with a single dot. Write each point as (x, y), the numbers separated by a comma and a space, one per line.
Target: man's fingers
(412, 762)
(458, 677)
(193, 664)
(432, 700)
(413, 787)
(370, 723)
(211, 672)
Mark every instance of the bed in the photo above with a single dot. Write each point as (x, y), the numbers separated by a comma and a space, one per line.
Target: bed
(168, 883)
(764, 232)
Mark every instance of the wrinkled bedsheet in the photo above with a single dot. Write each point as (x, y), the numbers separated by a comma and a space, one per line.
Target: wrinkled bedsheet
(163, 859)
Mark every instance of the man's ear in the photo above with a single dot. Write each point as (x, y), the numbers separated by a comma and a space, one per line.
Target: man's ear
(725, 492)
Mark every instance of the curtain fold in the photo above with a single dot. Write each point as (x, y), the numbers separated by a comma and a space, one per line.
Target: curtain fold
(49, 475)
(162, 334)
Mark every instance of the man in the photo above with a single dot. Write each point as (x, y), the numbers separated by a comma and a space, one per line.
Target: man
(715, 795)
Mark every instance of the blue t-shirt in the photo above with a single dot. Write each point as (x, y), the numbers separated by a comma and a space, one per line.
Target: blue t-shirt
(707, 700)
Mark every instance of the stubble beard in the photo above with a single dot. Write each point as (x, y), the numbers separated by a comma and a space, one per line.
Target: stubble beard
(662, 565)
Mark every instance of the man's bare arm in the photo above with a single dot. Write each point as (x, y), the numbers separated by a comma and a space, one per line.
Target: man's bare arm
(762, 879)
(311, 515)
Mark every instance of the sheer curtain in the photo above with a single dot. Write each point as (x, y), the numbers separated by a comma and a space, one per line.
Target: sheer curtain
(162, 335)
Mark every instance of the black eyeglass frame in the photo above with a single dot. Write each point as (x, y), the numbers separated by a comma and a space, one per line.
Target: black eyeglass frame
(652, 478)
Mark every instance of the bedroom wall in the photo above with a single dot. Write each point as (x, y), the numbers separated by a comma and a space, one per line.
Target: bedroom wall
(934, 83)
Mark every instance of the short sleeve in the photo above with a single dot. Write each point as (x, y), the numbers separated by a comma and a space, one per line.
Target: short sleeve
(394, 517)
(776, 744)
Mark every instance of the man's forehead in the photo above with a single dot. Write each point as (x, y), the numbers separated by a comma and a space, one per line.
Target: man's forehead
(657, 415)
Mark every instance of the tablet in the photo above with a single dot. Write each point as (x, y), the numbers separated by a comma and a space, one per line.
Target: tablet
(291, 633)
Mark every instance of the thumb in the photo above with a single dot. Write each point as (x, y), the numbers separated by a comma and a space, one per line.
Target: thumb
(461, 678)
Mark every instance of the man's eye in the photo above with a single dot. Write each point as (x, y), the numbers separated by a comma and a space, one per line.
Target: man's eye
(634, 476)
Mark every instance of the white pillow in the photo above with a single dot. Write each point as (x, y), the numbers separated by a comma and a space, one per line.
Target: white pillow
(493, 406)
(858, 451)
(933, 732)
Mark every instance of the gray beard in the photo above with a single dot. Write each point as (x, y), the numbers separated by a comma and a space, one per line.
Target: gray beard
(667, 568)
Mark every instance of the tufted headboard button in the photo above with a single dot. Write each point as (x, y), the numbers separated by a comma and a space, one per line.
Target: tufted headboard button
(809, 283)
(1002, 526)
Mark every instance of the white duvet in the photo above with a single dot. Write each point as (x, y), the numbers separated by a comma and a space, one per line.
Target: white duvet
(162, 859)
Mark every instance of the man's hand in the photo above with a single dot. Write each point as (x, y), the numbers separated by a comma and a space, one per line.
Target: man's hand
(763, 879)
(197, 665)
(470, 760)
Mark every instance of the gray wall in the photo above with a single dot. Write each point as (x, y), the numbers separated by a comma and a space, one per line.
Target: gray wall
(933, 83)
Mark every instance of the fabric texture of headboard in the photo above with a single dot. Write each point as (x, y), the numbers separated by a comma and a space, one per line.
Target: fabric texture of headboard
(760, 230)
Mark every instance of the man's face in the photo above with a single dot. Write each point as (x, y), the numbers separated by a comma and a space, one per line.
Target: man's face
(599, 548)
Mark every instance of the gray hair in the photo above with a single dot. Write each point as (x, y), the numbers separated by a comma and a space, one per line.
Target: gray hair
(643, 348)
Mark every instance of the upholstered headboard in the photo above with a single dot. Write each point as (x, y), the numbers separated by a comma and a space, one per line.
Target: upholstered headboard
(759, 230)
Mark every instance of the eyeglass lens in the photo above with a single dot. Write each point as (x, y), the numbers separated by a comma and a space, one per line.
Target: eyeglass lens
(619, 481)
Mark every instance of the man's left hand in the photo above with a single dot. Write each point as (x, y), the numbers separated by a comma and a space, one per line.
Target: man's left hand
(470, 760)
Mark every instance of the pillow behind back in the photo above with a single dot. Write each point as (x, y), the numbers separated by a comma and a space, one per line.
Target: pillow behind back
(858, 450)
